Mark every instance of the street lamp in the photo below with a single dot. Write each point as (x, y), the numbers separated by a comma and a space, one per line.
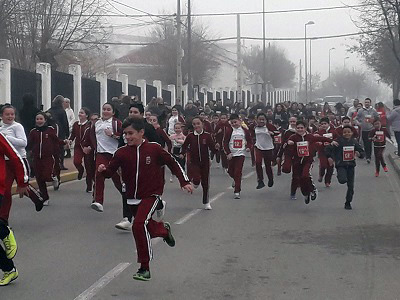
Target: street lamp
(329, 72)
(344, 61)
(305, 53)
(263, 94)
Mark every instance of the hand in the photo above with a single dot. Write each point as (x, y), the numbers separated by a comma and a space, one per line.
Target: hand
(316, 135)
(330, 161)
(358, 154)
(22, 191)
(108, 132)
(188, 188)
(278, 160)
(247, 149)
(334, 143)
(290, 142)
(181, 156)
(217, 146)
(229, 156)
(101, 168)
(86, 150)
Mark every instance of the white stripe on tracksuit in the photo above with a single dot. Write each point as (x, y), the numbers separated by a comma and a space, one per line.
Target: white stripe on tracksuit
(148, 237)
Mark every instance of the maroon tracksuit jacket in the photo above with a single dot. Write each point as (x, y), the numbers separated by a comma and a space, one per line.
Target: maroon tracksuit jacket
(379, 145)
(164, 138)
(207, 126)
(324, 168)
(219, 134)
(285, 151)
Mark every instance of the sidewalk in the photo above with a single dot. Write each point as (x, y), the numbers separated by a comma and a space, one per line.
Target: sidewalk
(67, 175)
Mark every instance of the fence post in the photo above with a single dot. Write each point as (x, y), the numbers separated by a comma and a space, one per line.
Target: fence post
(124, 79)
(44, 69)
(205, 92)
(157, 84)
(196, 94)
(185, 95)
(171, 88)
(143, 96)
(5, 81)
(102, 78)
(76, 72)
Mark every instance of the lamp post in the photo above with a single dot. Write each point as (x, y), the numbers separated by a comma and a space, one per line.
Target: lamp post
(329, 72)
(344, 62)
(263, 94)
(305, 54)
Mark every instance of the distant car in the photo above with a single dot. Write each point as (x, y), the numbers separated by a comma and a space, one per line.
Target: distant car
(334, 100)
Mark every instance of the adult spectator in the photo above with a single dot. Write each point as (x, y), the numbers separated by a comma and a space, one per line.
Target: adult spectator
(71, 120)
(393, 121)
(220, 107)
(178, 105)
(190, 111)
(28, 112)
(280, 114)
(353, 109)
(257, 108)
(365, 118)
(59, 116)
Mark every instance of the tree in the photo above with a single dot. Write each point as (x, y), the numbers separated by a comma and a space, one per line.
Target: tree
(280, 71)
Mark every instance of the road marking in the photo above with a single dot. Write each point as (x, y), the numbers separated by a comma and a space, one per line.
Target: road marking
(249, 175)
(102, 282)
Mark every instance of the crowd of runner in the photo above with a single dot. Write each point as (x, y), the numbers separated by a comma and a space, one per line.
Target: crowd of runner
(131, 144)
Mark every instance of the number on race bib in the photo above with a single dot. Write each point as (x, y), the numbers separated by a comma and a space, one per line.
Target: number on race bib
(380, 136)
(278, 139)
(237, 144)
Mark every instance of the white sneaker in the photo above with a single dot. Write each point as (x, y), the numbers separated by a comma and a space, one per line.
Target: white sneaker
(56, 183)
(97, 206)
(237, 195)
(46, 203)
(124, 225)
(161, 212)
(207, 206)
(171, 179)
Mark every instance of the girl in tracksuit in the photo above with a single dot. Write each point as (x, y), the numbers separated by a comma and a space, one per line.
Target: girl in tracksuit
(198, 144)
(285, 151)
(45, 147)
(103, 139)
(237, 141)
(162, 135)
(79, 133)
(264, 149)
(178, 139)
(343, 153)
(302, 145)
(141, 163)
(219, 134)
(15, 134)
(378, 137)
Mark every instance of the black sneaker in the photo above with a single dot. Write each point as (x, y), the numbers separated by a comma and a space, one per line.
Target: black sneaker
(142, 275)
(270, 183)
(368, 160)
(80, 175)
(307, 199)
(314, 194)
(260, 184)
(347, 206)
(169, 239)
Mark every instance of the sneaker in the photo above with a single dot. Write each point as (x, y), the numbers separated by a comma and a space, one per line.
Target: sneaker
(279, 173)
(327, 185)
(385, 168)
(160, 212)
(142, 275)
(237, 196)
(56, 183)
(80, 175)
(347, 206)
(376, 174)
(293, 197)
(171, 179)
(89, 190)
(169, 239)
(368, 160)
(97, 206)
(10, 244)
(270, 183)
(320, 179)
(207, 206)
(314, 195)
(260, 184)
(8, 277)
(307, 199)
(46, 203)
(124, 225)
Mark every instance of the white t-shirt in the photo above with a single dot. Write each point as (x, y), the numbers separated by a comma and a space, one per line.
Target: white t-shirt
(105, 144)
(70, 117)
(264, 140)
(15, 134)
(171, 124)
(237, 144)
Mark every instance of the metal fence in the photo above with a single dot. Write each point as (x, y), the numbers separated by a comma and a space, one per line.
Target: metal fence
(114, 89)
(134, 90)
(91, 95)
(151, 92)
(166, 96)
(25, 82)
(62, 84)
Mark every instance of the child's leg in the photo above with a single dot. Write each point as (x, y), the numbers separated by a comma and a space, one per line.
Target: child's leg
(6, 265)
(205, 175)
(253, 156)
(258, 160)
(287, 163)
(268, 158)
(377, 158)
(350, 184)
(78, 156)
(342, 175)
(224, 160)
(101, 158)
(7, 198)
(231, 168)
(383, 163)
(306, 183)
(90, 170)
(238, 161)
(328, 175)
(296, 174)
(322, 166)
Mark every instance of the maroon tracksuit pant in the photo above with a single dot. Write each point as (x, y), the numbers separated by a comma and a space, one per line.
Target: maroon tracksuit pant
(144, 228)
(301, 176)
(200, 173)
(33, 194)
(104, 159)
(267, 156)
(379, 159)
(88, 161)
(45, 170)
(235, 169)
(325, 169)
(224, 160)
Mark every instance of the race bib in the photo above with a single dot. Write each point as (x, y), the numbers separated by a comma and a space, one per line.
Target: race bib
(328, 135)
(368, 118)
(356, 127)
(237, 144)
(380, 136)
(303, 149)
(348, 153)
(380, 113)
(278, 139)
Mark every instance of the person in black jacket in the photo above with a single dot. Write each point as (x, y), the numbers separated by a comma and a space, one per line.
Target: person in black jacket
(27, 114)
(59, 116)
(343, 153)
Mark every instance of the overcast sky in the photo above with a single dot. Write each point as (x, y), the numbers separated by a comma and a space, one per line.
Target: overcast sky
(330, 22)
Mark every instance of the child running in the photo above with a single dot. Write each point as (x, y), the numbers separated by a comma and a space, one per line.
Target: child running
(237, 140)
(343, 153)
(378, 136)
(141, 165)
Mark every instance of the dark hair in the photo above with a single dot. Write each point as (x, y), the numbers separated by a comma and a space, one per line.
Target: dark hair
(139, 107)
(42, 113)
(5, 106)
(348, 127)
(135, 123)
(396, 102)
(261, 114)
(112, 106)
(346, 118)
(301, 122)
(278, 122)
(57, 101)
(86, 110)
(234, 117)
(326, 120)
(197, 117)
(368, 99)
(311, 117)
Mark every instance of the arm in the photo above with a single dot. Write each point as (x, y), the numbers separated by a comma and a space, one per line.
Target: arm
(167, 159)
(166, 139)
(226, 140)
(186, 145)
(113, 166)
(20, 138)
(73, 132)
(359, 149)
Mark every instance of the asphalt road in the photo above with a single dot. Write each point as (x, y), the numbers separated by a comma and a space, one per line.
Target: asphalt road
(263, 246)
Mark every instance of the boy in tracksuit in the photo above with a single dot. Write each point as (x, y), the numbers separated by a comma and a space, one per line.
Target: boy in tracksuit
(219, 134)
(285, 151)
(325, 170)
(378, 137)
(141, 164)
(303, 145)
(343, 153)
(237, 141)
(198, 144)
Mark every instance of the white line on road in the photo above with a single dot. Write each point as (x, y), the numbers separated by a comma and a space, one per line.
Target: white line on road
(102, 282)
(249, 175)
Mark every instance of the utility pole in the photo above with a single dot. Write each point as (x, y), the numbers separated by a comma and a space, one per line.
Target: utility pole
(263, 94)
(189, 54)
(179, 55)
(300, 77)
(310, 71)
(239, 83)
